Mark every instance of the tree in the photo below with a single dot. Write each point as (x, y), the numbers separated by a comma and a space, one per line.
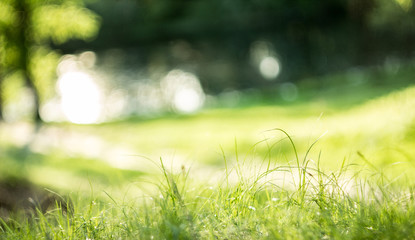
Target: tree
(27, 29)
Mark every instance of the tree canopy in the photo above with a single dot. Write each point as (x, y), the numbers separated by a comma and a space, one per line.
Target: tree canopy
(27, 30)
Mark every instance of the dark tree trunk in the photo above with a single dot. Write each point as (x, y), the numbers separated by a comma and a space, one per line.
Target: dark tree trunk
(24, 41)
(35, 94)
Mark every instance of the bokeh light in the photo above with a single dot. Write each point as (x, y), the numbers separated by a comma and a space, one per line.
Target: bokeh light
(80, 96)
(187, 100)
(288, 91)
(182, 90)
(269, 68)
(263, 56)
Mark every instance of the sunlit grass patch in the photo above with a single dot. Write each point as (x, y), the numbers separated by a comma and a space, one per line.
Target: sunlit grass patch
(224, 174)
(380, 128)
(57, 170)
(347, 203)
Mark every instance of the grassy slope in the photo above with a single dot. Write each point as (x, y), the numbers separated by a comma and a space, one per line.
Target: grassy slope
(375, 119)
(246, 201)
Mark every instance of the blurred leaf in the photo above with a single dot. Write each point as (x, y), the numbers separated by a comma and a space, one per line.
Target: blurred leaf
(43, 65)
(12, 84)
(405, 4)
(64, 22)
(393, 15)
(7, 14)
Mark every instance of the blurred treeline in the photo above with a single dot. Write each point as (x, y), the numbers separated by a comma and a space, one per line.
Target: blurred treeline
(222, 42)
(214, 38)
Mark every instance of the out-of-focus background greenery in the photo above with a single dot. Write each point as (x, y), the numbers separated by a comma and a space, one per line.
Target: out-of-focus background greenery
(94, 91)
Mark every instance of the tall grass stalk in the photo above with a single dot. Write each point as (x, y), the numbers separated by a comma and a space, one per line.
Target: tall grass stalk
(345, 204)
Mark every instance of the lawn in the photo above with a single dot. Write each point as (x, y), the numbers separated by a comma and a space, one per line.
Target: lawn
(336, 163)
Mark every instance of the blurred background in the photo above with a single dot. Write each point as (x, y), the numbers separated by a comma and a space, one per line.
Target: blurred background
(178, 79)
(96, 61)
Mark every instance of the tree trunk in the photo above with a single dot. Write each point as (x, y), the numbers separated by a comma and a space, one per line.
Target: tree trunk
(25, 40)
(35, 95)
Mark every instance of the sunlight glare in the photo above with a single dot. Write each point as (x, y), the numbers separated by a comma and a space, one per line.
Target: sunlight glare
(187, 100)
(80, 98)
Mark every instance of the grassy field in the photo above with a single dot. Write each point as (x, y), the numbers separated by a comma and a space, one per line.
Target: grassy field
(335, 164)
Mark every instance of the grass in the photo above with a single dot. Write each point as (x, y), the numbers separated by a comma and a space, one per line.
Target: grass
(371, 114)
(339, 166)
(308, 204)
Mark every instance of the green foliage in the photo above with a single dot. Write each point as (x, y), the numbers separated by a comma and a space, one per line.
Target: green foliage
(11, 85)
(397, 14)
(43, 65)
(63, 22)
(7, 15)
(27, 28)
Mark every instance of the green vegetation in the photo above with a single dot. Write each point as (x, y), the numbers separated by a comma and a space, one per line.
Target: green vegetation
(307, 204)
(335, 164)
(286, 147)
(27, 30)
